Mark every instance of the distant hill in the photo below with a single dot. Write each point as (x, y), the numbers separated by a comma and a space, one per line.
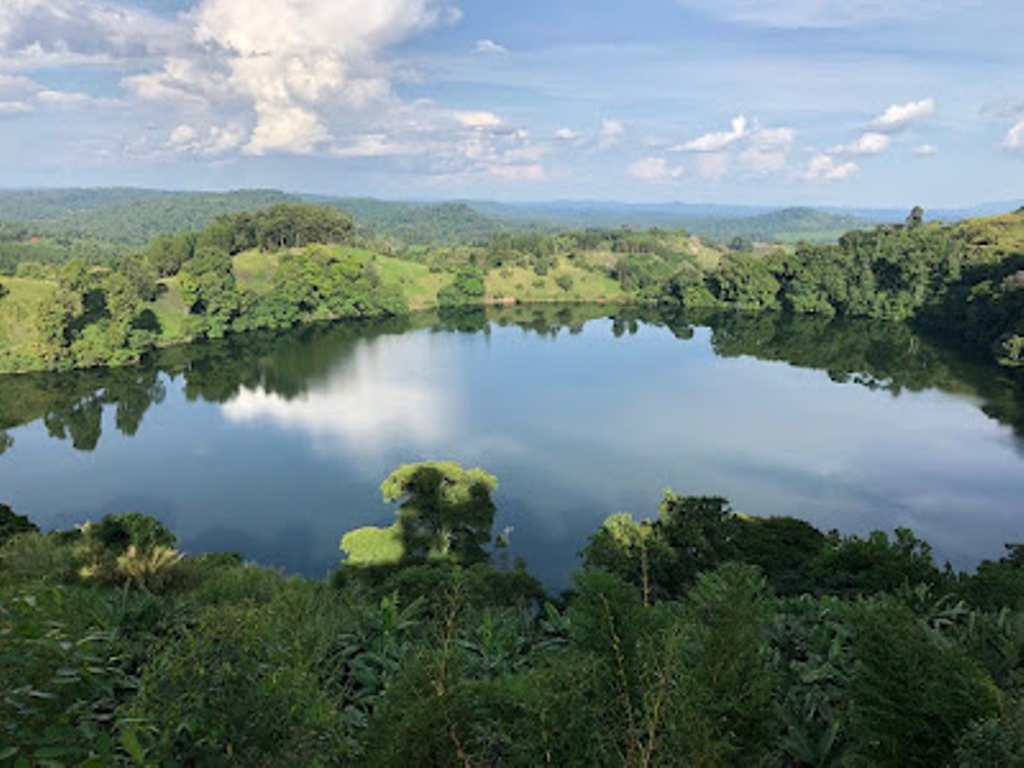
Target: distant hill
(420, 223)
(119, 219)
(125, 216)
(716, 222)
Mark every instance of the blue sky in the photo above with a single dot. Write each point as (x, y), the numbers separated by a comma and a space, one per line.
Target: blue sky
(768, 102)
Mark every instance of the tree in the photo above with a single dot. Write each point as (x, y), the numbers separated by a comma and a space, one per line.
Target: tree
(444, 510)
(915, 217)
(466, 288)
(11, 523)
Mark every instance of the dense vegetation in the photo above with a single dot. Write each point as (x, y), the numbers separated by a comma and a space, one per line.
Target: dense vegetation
(703, 637)
(101, 225)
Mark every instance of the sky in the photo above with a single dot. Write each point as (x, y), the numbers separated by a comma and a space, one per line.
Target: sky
(868, 103)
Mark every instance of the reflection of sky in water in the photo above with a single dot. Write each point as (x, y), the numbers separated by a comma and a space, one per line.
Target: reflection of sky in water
(575, 428)
(392, 389)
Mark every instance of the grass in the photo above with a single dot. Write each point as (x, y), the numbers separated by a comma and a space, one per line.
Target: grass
(526, 286)
(996, 236)
(17, 319)
(169, 309)
(707, 257)
(255, 270)
(416, 280)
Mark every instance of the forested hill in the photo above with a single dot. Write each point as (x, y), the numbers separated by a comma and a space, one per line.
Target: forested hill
(715, 222)
(124, 216)
(114, 220)
(425, 223)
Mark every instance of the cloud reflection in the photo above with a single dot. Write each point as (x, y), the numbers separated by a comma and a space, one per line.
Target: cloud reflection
(389, 391)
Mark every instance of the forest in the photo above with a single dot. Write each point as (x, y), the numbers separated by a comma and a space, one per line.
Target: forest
(702, 636)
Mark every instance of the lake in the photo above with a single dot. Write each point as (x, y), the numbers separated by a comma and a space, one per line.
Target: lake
(275, 445)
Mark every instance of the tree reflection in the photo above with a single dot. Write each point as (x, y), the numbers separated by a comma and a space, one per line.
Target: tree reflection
(875, 354)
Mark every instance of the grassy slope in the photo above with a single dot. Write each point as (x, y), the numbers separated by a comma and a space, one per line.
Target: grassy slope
(17, 319)
(997, 236)
(525, 285)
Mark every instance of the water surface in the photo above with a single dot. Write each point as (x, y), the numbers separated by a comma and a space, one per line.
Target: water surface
(275, 445)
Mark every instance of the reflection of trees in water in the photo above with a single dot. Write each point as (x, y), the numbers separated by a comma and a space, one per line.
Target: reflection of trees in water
(875, 354)
(872, 353)
(71, 406)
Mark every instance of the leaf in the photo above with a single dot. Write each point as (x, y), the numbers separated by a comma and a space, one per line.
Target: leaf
(131, 745)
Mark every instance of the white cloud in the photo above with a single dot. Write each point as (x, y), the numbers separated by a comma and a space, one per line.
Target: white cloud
(478, 119)
(773, 137)
(869, 143)
(374, 145)
(715, 142)
(489, 47)
(824, 167)
(899, 116)
(14, 107)
(567, 134)
(296, 75)
(768, 151)
(73, 99)
(713, 165)
(764, 161)
(611, 133)
(389, 387)
(818, 13)
(1015, 137)
(654, 169)
(523, 172)
(53, 33)
(924, 150)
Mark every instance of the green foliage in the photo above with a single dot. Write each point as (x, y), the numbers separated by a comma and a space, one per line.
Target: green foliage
(782, 547)
(910, 696)
(12, 524)
(248, 685)
(668, 654)
(371, 546)
(444, 510)
(852, 565)
(466, 288)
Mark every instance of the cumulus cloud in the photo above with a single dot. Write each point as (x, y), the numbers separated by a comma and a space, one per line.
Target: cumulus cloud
(611, 133)
(654, 169)
(824, 167)
(73, 99)
(567, 134)
(489, 47)
(53, 33)
(925, 150)
(295, 74)
(899, 116)
(715, 142)
(869, 143)
(1015, 137)
(478, 119)
(818, 13)
(374, 145)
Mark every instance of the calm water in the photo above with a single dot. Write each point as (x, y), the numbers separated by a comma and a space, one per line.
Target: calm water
(275, 446)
